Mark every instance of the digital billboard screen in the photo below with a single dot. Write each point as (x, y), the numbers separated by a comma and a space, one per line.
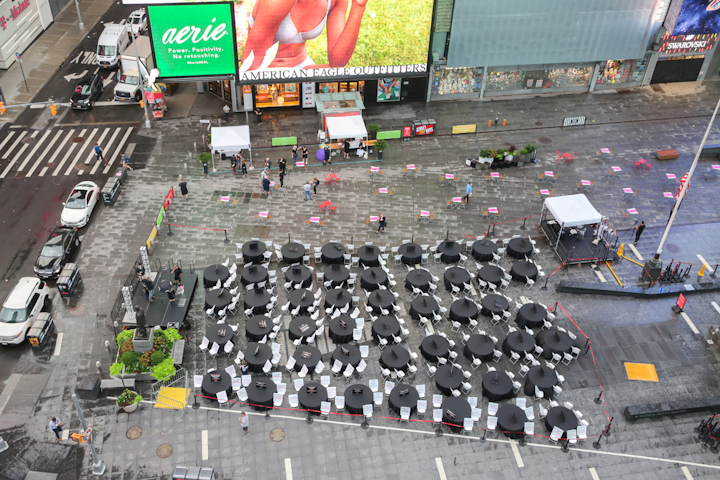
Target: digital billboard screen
(698, 16)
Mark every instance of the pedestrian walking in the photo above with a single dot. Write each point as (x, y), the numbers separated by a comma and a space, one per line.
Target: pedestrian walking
(244, 423)
(266, 185)
(282, 164)
(326, 150)
(140, 269)
(149, 287)
(468, 192)
(382, 222)
(243, 167)
(171, 296)
(226, 110)
(233, 162)
(258, 115)
(315, 184)
(99, 154)
(294, 154)
(304, 154)
(307, 192)
(177, 272)
(183, 188)
(346, 148)
(56, 428)
(126, 162)
(639, 229)
(281, 176)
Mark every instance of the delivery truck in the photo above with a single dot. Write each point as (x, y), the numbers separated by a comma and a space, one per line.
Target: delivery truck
(129, 87)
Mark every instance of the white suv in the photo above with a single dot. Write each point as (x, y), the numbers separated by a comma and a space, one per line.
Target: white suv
(20, 309)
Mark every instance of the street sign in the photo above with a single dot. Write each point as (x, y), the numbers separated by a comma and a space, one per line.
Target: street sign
(17, 55)
(88, 431)
(679, 304)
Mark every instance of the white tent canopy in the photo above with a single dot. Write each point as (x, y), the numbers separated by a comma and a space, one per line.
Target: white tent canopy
(572, 210)
(349, 126)
(230, 139)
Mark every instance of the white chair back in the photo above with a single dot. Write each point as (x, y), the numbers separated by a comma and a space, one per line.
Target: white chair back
(520, 402)
(421, 390)
(556, 433)
(378, 398)
(364, 351)
(246, 379)
(468, 424)
(374, 384)
(277, 399)
(222, 397)
(290, 363)
(361, 366)
(472, 401)
(231, 371)
(405, 413)
(422, 406)
(476, 413)
(437, 401)
(242, 395)
(492, 423)
(277, 377)
(331, 391)
(236, 383)
(293, 400)
(492, 408)
(198, 379)
(529, 428)
(339, 401)
(437, 415)
(324, 408)
(368, 410)
(282, 388)
(298, 383)
(325, 381)
(389, 387)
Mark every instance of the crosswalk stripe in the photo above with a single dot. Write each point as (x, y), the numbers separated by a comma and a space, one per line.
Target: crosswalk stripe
(99, 142)
(9, 150)
(38, 144)
(118, 149)
(7, 139)
(82, 150)
(105, 152)
(44, 152)
(67, 155)
(18, 156)
(57, 151)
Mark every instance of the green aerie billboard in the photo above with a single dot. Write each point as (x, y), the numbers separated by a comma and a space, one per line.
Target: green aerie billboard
(193, 39)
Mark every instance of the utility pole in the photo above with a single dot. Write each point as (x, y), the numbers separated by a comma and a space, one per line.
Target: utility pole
(140, 77)
(98, 466)
(82, 25)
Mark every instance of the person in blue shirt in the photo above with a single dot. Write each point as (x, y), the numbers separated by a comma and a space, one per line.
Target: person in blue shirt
(468, 192)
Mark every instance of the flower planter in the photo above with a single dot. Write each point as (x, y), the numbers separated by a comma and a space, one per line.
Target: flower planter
(130, 408)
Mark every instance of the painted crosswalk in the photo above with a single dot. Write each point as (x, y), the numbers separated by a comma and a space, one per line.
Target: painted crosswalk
(61, 151)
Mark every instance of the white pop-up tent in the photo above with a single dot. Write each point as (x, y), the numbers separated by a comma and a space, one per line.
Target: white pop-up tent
(345, 126)
(572, 210)
(230, 140)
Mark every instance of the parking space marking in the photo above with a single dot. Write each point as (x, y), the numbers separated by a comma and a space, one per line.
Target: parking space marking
(441, 469)
(690, 323)
(594, 474)
(687, 473)
(637, 254)
(205, 453)
(600, 275)
(44, 152)
(58, 344)
(288, 469)
(516, 452)
(715, 306)
(707, 265)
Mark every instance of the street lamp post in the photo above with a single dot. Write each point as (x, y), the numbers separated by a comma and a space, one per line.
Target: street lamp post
(82, 25)
(140, 77)
(98, 465)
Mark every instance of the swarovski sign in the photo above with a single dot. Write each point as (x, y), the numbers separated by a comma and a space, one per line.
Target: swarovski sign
(687, 43)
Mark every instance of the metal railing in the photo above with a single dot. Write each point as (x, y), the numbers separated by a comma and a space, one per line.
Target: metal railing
(179, 379)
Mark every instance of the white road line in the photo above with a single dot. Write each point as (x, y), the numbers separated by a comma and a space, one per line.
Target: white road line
(600, 275)
(707, 265)
(35, 149)
(82, 149)
(67, 155)
(441, 469)
(715, 306)
(42, 172)
(288, 469)
(516, 452)
(594, 474)
(7, 139)
(9, 150)
(687, 473)
(58, 344)
(689, 322)
(44, 152)
(17, 157)
(637, 254)
(99, 142)
(105, 151)
(205, 450)
(118, 149)
(57, 151)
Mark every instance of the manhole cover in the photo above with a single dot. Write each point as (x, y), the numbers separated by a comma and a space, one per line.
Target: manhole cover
(539, 124)
(78, 139)
(544, 140)
(277, 434)
(28, 140)
(134, 432)
(175, 176)
(672, 248)
(164, 450)
(76, 310)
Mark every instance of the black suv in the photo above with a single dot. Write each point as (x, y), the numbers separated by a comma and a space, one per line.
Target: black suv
(59, 247)
(88, 89)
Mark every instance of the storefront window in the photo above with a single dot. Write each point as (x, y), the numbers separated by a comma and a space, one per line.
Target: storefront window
(505, 81)
(277, 95)
(616, 71)
(640, 68)
(333, 87)
(456, 80)
(535, 79)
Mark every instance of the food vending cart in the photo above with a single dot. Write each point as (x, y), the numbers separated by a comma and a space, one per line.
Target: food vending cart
(156, 102)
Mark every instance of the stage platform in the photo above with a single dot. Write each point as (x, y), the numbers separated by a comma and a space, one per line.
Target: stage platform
(576, 249)
(160, 312)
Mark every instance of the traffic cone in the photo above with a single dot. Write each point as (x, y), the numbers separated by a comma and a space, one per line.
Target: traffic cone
(621, 249)
(702, 271)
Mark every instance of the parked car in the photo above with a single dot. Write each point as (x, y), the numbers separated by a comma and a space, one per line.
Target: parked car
(80, 204)
(60, 246)
(87, 90)
(20, 308)
(138, 21)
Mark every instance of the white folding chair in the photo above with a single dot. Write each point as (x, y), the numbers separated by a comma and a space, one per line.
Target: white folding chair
(339, 402)
(492, 408)
(222, 399)
(277, 400)
(293, 400)
(556, 434)
(324, 410)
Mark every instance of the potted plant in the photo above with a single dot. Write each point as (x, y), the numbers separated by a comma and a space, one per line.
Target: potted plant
(129, 400)
(381, 145)
(529, 151)
(204, 158)
(372, 129)
(485, 154)
(511, 153)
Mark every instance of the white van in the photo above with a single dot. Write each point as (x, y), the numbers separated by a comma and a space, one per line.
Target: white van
(112, 42)
(20, 309)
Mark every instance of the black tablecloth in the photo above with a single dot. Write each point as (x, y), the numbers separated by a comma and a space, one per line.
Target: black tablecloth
(407, 399)
(554, 341)
(372, 278)
(337, 298)
(450, 251)
(448, 378)
(333, 253)
(531, 315)
(218, 299)
(311, 361)
(254, 331)
(338, 333)
(434, 346)
(293, 252)
(337, 274)
(257, 299)
(542, 376)
(522, 269)
(385, 327)
(511, 421)
(460, 408)
(254, 360)
(519, 247)
(479, 346)
(411, 253)
(482, 250)
(368, 255)
(254, 274)
(253, 251)
(381, 299)
(301, 321)
(312, 401)
(212, 333)
(261, 398)
(519, 342)
(561, 417)
(352, 357)
(302, 297)
(497, 386)
(490, 274)
(423, 305)
(463, 310)
(418, 278)
(354, 401)
(494, 303)
(211, 389)
(299, 274)
(456, 276)
(213, 273)
(395, 357)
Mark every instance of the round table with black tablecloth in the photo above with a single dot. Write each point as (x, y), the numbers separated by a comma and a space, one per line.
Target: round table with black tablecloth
(314, 356)
(340, 333)
(511, 421)
(519, 247)
(211, 389)
(463, 310)
(519, 342)
(354, 401)
(522, 269)
(337, 298)
(253, 251)
(302, 298)
(385, 327)
(482, 250)
(218, 299)
(448, 378)
(490, 274)
(254, 330)
(411, 253)
(312, 401)
(260, 393)
(368, 255)
(434, 346)
(554, 341)
(460, 408)
(352, 356)
(531, 315)
(494, 303)
(292, 252)
(337, 274)
(479, 346)
(301, 327)
(450, 250)
(456, 276)
(257, 299)
(543, 377)
(332, 253)
(213, 273)
(372, 278)
(254, 274)
(256, 354)
(419, 279)
(381, 300)
(561, 417)
(423, 306)
(497, 386)
(299, 274)
(408, 398)
(214, 334)
(395, 357)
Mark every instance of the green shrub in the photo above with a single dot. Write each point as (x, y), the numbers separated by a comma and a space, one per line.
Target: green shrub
(123, 336)
(530, 147)
(373, 127)
(163, 369)
(157, 357)
(485, 153)
(381, 145)
(204, 157)
(171, 334)
(128, 397)
(116, 369)
(129, 358)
